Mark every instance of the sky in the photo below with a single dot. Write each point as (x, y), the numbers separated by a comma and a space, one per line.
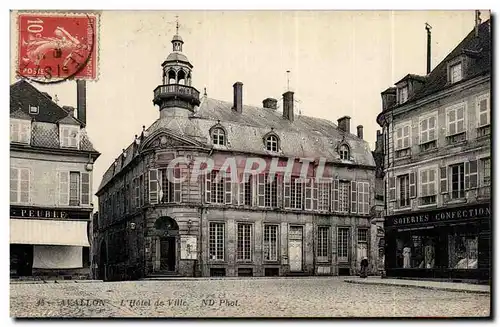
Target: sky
(339, 63)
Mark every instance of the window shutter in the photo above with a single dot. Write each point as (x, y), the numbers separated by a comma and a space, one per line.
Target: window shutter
(360, 196)
(153, 186)
(25, 132)
(14, 185)
(177, 185)
(392, 188)
(314, 194)
(14, 131)
(85, 188)
(367, 198)
(354, 198)
(413, 185)
(286, 192)
(443, 180)
(406, 136)
(25, 185)
(241, 189)
(335, 197)
(228, 188)
(473, 174)
(466, 176)
(308, 194)
(261, 190)
(208, 187)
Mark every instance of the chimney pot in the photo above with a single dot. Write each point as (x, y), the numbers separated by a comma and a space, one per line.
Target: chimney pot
(360, 131)
(288, 105)
(270, 103)
(238, 97)
(344, 124)
(81, 100)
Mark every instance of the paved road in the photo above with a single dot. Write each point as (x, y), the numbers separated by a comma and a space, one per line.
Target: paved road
(300, 297)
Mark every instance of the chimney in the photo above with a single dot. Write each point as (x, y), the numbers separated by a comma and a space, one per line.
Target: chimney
(344, 124)
(70, 110)
(288, 105)
(270, 103)
(238, 97)
(360, 131)
(81, 100)
(428, 28)
(477, 23)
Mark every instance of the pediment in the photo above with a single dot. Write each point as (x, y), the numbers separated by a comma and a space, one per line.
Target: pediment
(164, 139)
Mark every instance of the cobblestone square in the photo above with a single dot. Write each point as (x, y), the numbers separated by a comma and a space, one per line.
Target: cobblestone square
(298, 297)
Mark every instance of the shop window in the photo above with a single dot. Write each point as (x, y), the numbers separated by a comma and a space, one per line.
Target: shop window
(244, 249)
(415, 251)
(457, 176)
(462, 251)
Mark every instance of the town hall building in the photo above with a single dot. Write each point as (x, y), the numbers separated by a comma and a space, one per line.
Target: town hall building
(255, 225)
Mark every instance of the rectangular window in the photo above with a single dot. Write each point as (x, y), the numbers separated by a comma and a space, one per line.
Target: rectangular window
(486, 171)
(271, 242)
(137, 192)
(344, 190)
(457, 179)
(462, 251)
(20, 131)
(343, 244)
(244, 250)
(310, 194)
(245, 190)
(404, 190)
(296, 192)
(324, 191)
(170, 189)
(217, 185)
(428, 129)
(86, 189)
(216, 241)
(69, 136)
(74, 188)
(428, 186)
(402, 138)
(456, 72)
(323, 241)
(455, 120)
(483, 110)
(19, 185)
(362, 235)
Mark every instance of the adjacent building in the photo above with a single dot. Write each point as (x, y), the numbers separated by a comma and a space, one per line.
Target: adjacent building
(252, 225)
(51, 161)
(437, 142)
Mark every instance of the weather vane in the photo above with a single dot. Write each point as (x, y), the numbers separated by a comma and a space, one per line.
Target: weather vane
(177, 24)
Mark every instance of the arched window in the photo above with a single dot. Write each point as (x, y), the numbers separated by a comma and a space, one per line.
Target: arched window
(272, 143)
(218, 136)
(171, 77)
(181, 77)
(344, 152)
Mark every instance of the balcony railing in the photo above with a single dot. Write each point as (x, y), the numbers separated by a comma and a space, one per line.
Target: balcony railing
(176, 91)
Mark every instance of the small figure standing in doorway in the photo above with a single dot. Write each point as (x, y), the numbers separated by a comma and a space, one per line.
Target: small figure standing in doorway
(364, 268)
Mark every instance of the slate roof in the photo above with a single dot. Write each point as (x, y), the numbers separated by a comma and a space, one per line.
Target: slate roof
(480, 63)
(304, 137)
(44, 125)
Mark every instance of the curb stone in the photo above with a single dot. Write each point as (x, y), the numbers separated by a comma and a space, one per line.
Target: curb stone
(421, 286)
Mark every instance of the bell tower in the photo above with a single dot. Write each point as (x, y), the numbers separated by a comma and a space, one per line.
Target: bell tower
(176, 91)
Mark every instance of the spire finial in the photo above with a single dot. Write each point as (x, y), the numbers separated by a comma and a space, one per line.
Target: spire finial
(176, 24)
(288, 80)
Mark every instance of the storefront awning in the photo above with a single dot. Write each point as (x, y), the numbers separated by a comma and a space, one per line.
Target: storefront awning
(48, 232)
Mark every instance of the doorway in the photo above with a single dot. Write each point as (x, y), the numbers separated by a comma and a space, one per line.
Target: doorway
(295, 248)
(167, 253)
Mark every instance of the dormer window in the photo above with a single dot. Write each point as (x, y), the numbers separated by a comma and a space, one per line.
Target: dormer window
(69, 136)
(218, 136)
(403, 94)
(20, 131)
(456, 72)
(344, 152)
(272, 143)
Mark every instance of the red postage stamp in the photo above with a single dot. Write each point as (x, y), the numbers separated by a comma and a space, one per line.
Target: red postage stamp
(55, 46)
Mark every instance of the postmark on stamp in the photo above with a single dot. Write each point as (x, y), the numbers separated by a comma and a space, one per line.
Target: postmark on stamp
(54, 47)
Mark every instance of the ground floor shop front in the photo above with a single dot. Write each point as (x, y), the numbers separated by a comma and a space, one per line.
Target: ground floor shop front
(48, 247)
(225, 242)
(450, 243)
